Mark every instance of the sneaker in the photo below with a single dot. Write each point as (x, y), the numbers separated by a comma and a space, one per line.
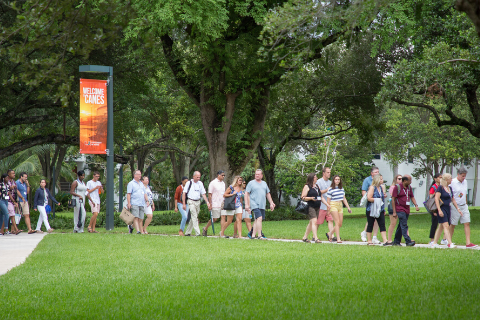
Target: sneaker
(395, 244)
(138, 232)
(471, 245)
(130, 229)
(363, 235)
(388, 244)
(249, 235)
(334, 239)
(411, 244)
(375, 240)
(444, 242)
(452, 245)
(263, 236)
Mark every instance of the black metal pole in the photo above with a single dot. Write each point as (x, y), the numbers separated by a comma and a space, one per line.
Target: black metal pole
(53, 192)
(120, 183)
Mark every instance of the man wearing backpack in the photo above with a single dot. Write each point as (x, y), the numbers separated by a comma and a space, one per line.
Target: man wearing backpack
(402, 196)
(192, 193)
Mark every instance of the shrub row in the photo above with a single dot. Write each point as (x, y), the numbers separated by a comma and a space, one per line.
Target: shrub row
(163, 218)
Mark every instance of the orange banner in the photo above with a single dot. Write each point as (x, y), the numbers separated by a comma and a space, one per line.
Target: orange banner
(93, 116)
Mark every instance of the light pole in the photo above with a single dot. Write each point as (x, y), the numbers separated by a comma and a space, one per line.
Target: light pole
(110, 147)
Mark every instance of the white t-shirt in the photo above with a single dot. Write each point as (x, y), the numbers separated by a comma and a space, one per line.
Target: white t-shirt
(94, 195)
(217, 189)
(460, 190)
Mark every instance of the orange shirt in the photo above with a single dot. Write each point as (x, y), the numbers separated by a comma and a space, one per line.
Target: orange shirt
(178, 194)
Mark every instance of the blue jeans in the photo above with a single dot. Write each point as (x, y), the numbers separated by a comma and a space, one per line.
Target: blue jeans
(184, 214)
(402, 229)
(4, 212)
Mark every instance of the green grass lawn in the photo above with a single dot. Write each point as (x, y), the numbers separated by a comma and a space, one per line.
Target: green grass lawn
(419, 227)
(122, 276)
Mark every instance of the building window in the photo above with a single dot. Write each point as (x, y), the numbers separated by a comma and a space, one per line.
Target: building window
(376, 156)
(409, 157)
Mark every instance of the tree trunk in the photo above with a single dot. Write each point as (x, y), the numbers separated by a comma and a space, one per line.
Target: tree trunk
(475, 183)
(395, 173)
(429, 182)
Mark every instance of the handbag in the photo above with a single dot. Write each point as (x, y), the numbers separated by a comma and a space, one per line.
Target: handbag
(431, 206)
(72, 203)
(302, 207)
(229, 202)
(127, 216)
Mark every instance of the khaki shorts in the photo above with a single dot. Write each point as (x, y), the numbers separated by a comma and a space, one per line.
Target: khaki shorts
(25, 207)
(336, 206)
(216, 212)
(455, 216)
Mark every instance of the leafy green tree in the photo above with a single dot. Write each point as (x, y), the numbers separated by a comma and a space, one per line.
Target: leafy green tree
(327, 97)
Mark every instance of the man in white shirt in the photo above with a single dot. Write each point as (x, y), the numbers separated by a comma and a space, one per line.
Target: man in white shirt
(192, 192)
(216, 189)
(93, 188)
(459, 188)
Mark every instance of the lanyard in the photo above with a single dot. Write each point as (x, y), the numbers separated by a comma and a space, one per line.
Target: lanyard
(406, 192)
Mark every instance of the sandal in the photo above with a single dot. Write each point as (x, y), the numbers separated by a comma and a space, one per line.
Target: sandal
(89, 229)
(318, 241)
(340, 241)
(305, 240)
(235, 236)
(32, 231)
(94, 231)
(370, 244)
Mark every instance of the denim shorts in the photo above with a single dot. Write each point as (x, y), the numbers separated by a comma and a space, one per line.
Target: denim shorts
(259, 213)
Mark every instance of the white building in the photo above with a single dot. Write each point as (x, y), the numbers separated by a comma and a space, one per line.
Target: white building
(419, 185)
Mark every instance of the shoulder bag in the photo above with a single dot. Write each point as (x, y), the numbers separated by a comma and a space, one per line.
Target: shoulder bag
(72, 203)
(430, 203)
(302, 207)
(229, 202)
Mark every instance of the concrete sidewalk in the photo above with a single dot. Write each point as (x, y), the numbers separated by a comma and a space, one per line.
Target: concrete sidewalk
(14, 249)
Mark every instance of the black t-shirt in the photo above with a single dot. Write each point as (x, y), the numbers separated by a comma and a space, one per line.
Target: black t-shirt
(314, 192)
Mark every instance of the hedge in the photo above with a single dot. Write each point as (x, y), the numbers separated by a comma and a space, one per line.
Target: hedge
(163, 218)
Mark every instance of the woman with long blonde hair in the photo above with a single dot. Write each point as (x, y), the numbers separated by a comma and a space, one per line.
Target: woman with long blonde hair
(444, 193)
(235, 189)
(375, 191)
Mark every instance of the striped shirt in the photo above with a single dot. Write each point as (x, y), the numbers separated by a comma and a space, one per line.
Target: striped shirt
(336, 194)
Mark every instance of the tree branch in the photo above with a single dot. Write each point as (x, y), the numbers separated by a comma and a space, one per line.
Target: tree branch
(35, 141)
(178, 72)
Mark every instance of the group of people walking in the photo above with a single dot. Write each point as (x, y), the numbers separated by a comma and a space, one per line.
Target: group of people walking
(14, 200)
(326, 199)
(249, 201)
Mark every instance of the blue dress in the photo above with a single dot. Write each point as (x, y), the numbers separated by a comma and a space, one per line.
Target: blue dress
(445, 207)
